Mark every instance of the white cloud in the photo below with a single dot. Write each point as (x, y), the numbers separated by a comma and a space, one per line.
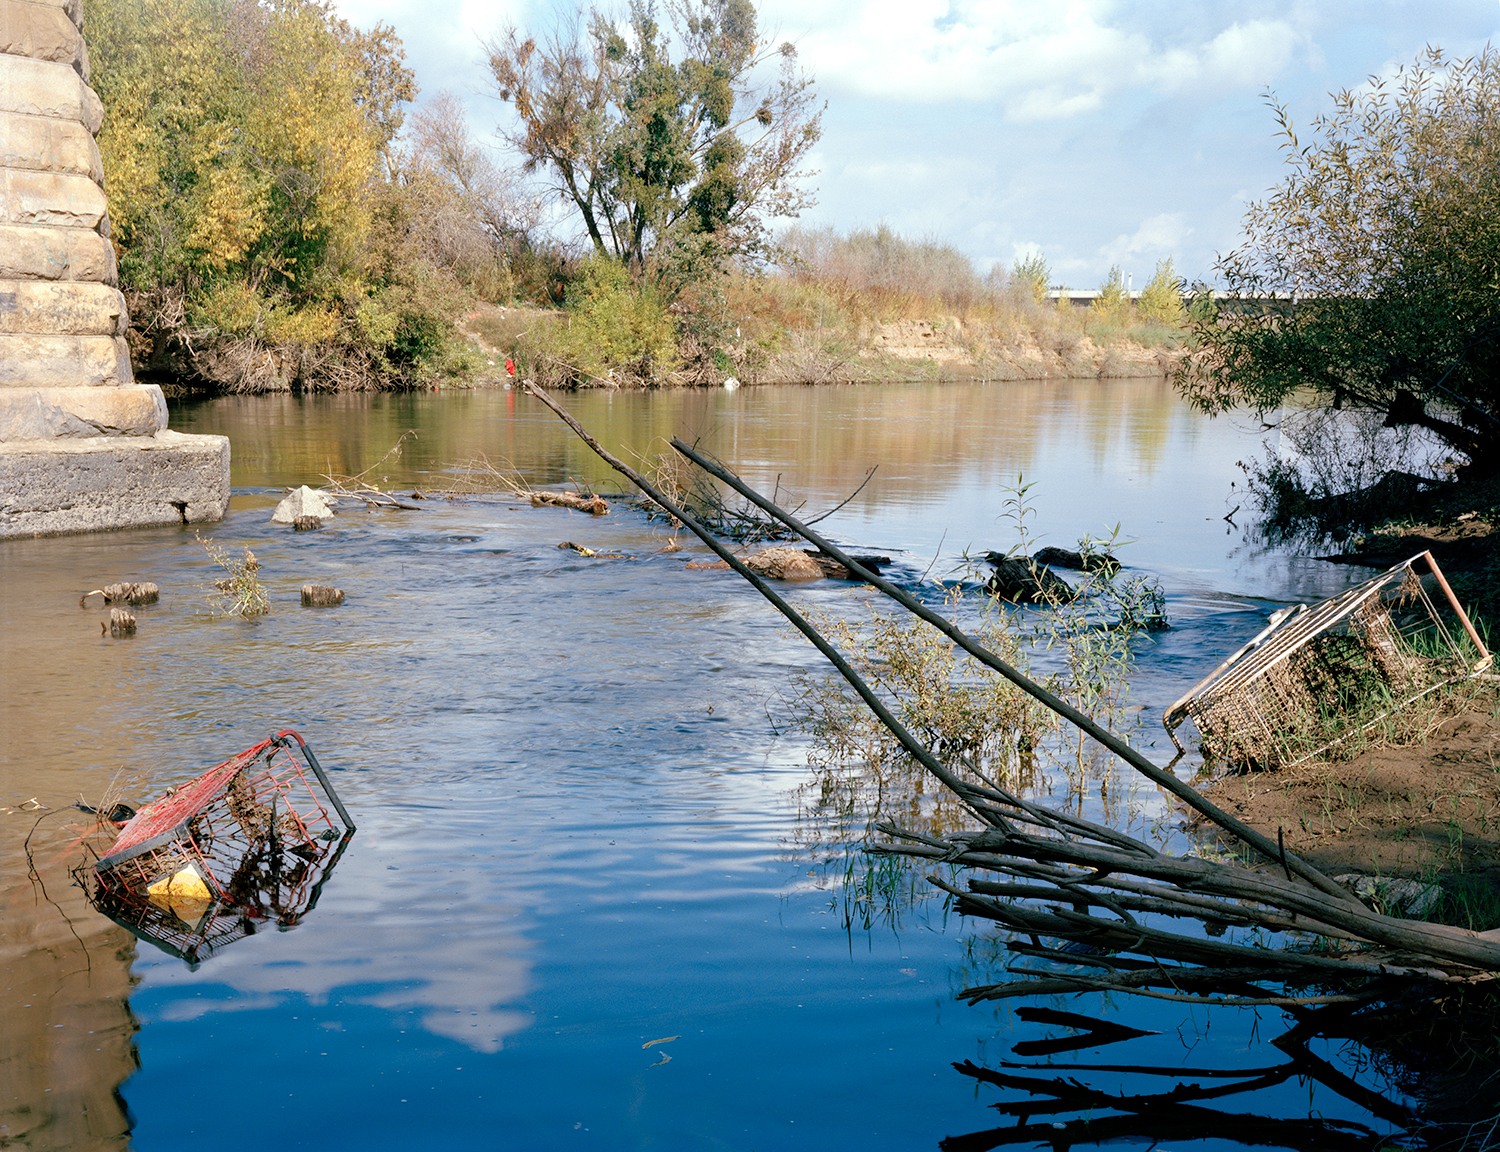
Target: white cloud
(1157, 236)
(1038, 59)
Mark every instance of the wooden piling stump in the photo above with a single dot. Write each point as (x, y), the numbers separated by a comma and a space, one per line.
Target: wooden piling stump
(321, 596)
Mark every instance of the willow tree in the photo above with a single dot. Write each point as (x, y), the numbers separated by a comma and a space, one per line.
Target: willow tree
(1369, 279)
(677, 140)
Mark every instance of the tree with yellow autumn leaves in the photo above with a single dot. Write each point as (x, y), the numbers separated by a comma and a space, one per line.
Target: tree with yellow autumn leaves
(257, 200)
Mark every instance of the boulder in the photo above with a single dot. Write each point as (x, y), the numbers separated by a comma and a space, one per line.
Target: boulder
(1077, 561)
(302, 502)
(785, 564)
(1022, 582)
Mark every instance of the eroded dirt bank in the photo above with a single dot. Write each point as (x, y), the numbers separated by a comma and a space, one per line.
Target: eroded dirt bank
(1417, 812)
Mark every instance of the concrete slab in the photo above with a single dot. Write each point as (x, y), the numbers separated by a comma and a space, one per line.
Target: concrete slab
(53, 487)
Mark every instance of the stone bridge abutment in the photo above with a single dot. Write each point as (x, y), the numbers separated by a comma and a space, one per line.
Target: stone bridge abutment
(82, 445)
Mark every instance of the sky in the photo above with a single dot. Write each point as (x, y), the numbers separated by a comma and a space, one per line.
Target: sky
(1098, 133)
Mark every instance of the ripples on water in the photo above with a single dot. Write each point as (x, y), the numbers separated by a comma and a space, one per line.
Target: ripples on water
(573, 806)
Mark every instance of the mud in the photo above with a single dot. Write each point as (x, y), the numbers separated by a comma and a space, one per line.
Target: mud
(1428, 810)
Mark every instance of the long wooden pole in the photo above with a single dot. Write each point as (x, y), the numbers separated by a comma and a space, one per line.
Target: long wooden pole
(1187, 794)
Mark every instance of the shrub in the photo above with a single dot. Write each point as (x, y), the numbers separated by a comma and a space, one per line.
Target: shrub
(614, 325)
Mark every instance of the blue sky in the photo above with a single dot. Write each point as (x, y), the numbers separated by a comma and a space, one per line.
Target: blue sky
(1098, 133)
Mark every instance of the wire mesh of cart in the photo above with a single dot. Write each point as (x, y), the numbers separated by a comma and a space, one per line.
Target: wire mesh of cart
(247, 842)
(1319, 674)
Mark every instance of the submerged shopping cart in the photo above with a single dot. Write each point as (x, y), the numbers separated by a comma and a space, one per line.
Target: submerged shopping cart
(248, 844)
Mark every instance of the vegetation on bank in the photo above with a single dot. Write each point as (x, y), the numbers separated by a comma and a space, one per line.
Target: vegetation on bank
(282, 222)
(839, 307)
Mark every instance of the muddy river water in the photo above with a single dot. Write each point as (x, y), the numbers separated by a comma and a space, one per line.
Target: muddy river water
(574, 788)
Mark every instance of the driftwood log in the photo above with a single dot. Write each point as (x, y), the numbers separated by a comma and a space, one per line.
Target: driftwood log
(134, 593)
(1085, 896)
(593, 505)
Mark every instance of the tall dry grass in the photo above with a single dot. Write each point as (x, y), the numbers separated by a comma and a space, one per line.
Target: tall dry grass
(831, 294)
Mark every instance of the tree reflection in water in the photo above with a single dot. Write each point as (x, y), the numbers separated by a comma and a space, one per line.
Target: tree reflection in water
(1442, 1055)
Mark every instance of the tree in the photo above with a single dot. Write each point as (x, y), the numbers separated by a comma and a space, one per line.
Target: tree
(1034, 275)
(265, 236)
(1369, 279)
(241, 141)
(672, 161)
(1113, 302)
(470, 216)
(1161, 299)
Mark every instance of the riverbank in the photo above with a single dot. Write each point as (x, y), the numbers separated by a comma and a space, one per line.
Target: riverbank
(1428, 811)
(857, 349)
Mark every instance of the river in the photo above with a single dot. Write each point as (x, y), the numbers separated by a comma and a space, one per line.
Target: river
(574, 784)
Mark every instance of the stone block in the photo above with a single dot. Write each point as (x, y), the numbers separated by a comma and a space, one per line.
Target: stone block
(43, 32)
(73, 9)
(81, 413)
(45, 88)
(63, 361)
(56, 199)
(53, 487)
(49, 308)
(35, 252)
(42, 144)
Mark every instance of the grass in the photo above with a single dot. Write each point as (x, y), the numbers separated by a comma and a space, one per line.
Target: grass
(978, 723)
(1467, 901)
(241, 592)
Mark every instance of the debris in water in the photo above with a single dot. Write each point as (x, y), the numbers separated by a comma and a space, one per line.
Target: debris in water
(1063, 880)
(121, 623)
(247, 843)
(784, 564)
(132, 593)
(118, 815)
(593, 505)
